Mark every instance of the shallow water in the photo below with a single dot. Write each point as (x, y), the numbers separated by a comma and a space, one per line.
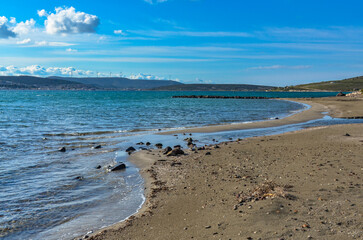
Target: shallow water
(49, 194)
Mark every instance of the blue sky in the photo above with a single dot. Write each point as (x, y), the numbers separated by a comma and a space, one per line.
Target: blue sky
(282, 42)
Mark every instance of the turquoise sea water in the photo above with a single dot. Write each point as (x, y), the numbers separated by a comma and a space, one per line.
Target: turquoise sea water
(48, 194)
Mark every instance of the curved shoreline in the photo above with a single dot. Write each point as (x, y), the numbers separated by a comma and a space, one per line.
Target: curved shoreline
(145, 161)
(314, 112)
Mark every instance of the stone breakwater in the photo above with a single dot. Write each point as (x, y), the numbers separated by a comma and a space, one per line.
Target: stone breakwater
(221, 97)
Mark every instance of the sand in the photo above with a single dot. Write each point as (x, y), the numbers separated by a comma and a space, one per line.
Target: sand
(299, 185)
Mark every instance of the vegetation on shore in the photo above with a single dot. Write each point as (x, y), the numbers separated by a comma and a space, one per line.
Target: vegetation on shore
(345, 85)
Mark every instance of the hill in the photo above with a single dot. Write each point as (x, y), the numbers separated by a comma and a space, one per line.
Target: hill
(214, 87)
(29, 82)
(345, 85)
(61, 83)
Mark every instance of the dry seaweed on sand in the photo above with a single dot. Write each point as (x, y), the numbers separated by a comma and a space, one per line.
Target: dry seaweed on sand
(268, 189)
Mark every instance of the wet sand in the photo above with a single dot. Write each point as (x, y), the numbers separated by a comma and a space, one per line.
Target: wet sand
(299, 185)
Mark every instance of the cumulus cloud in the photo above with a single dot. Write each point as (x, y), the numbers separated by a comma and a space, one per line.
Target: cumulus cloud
(68, 21)
(37, 70)
(5, 31)
(146, 77)
(23, 28)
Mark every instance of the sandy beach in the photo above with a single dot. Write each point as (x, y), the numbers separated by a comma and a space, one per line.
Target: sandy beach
(298, 185)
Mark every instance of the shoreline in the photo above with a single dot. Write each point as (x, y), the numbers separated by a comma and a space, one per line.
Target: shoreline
(148, 162)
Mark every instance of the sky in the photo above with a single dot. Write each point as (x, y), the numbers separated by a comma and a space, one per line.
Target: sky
(279, 43)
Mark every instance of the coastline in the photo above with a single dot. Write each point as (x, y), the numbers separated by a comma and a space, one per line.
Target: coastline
(161, 176)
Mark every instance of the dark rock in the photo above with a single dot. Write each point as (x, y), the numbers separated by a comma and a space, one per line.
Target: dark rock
(97, 147)
(175, 152)
(276, 118)
(159, 145)
(62, 149)
(143, 148)
(148, 143)
(201, 148)
(167, 149)
(121, 166)
(79, 178)
(175, 164)
(347, 134)
(99, 167)
(207, 153)
(340, 94)
(177, 146)
(130, 150)
(140, 143)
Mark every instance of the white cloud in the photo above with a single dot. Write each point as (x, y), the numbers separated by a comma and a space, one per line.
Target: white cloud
(23, 28)
(119, 32)
(279, 67)
(146, 77)
(53, 44)
(37, 70)
(42, 13)
(155, 1)
(25, 41)
(68, 21)
(156, 33)
(71, 50)
(5, 31)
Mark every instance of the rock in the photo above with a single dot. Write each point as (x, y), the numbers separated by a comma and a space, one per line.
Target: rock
(175, 152)
(177, 146)
(207, 153)
(167, 149)
(341, 94)
(79, 178)
(97, 147)
(62, 149)
(148, 143)
(99, 167)
(347, 134)
(159, 145)
(140, 143)
(118, 167)
(201, 148)
(130, 150)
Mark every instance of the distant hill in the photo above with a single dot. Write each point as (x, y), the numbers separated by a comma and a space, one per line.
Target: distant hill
(29, 82)
(346, 85)
(214, 87)
(62, 83)
(121, 83)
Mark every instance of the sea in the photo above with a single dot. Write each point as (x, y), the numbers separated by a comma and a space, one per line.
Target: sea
(50, 194)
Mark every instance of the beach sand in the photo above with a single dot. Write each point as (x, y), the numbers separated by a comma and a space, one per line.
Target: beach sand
(298, 185)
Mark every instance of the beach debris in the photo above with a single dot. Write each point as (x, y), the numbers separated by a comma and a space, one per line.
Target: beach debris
(79, 178)
(62, 149)
(148, 144)
(175, 152)
(159, 145)
(99, 167)
(118, 167)
(130, 150)
(97, 147)
(268, 189)
(207, 153)
(167, 149)
(201, 148)
(140, 143)
(347, 134)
